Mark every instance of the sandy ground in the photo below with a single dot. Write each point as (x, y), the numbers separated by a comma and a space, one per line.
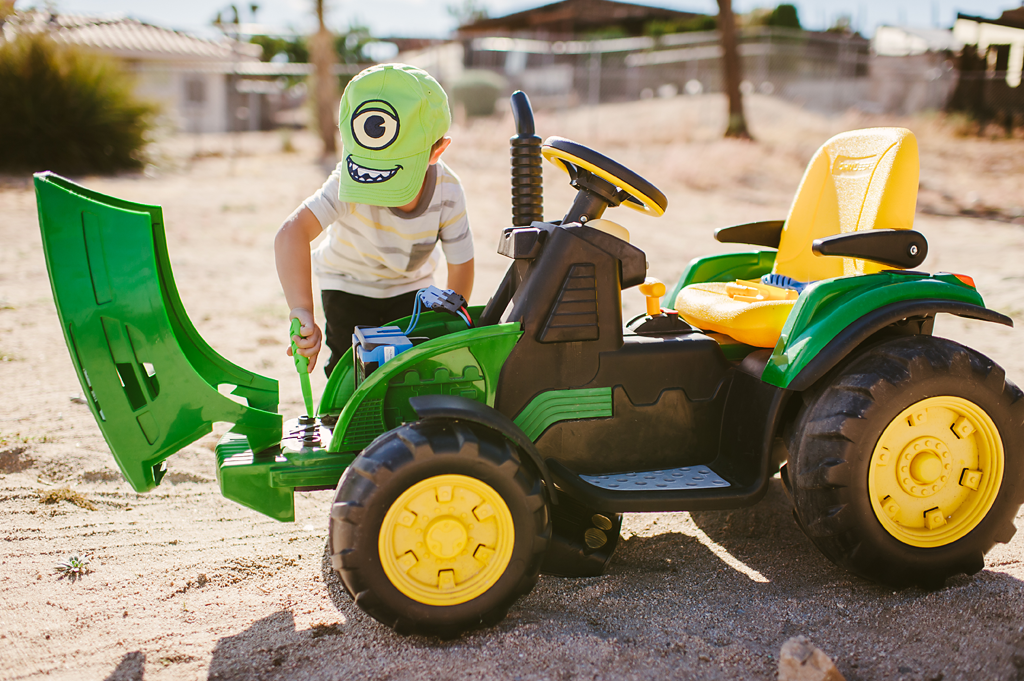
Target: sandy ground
(186, 584)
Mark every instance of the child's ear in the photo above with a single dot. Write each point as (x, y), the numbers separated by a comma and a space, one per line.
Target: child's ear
(435, 155)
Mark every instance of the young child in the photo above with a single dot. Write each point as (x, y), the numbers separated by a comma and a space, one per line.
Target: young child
(384, 208)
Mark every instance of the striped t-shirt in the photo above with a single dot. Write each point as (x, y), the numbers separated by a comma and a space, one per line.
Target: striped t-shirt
(382, 252)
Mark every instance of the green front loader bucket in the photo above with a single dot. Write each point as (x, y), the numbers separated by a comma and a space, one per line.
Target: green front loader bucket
(151, 381)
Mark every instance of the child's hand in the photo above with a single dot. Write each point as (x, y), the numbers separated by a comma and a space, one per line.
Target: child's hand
(308, 342)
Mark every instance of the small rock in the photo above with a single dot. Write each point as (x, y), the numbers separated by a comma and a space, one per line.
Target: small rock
(801, 660)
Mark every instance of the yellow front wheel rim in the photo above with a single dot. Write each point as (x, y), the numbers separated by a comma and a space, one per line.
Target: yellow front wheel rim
(641, 202)
(935, 471)
(446, 540)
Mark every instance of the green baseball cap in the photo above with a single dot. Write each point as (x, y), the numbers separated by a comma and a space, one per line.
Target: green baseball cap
(390, 117)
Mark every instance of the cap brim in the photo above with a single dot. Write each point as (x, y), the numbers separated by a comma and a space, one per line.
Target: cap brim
(377, 182)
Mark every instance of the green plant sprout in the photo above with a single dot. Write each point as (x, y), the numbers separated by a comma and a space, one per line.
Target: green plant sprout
(74, 567)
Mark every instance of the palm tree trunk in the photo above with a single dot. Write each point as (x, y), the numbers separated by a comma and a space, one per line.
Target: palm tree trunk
(325, 85)
(731, 62)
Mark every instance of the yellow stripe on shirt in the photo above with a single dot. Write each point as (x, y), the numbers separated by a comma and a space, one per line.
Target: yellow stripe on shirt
(452, 221)
(371, 256)
(416, 236)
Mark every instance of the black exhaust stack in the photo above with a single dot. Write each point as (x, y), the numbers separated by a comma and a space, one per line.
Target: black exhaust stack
(527, 174)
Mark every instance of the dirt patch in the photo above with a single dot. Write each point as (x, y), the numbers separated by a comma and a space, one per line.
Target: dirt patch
(186, 584)
(15, 460)
(101, 475)
(322, 629)
(56, 471)
(177, 478)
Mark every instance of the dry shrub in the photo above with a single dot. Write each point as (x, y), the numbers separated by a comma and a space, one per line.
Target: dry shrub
(55, 496)
(67, 110)
(478, 90)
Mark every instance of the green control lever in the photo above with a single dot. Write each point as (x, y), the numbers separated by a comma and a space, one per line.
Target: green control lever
(301, 366)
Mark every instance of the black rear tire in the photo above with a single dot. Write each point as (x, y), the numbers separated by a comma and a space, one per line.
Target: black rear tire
(408, 458)
(835, 445)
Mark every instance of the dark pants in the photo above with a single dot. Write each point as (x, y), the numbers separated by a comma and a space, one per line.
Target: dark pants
(345, 310)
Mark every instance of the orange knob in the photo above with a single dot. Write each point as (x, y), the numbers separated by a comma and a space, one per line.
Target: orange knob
(653, 289)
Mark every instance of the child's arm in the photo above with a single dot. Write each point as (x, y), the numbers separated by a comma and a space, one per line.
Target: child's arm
(291, 251)
(460, 278)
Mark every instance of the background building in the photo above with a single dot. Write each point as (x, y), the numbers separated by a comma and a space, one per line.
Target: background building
(195, 81)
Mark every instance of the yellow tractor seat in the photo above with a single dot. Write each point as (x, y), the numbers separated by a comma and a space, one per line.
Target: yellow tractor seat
(730, 308)
(857, 181)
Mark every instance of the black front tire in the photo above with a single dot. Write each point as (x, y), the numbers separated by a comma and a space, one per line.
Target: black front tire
(836, 439)
(414, 455)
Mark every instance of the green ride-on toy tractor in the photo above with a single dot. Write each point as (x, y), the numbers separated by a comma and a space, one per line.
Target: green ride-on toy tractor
(472, 449)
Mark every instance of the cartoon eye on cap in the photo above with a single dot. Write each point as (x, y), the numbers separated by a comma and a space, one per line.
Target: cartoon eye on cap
(375, 124)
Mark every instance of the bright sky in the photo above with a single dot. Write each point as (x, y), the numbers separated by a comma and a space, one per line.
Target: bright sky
(430, 18)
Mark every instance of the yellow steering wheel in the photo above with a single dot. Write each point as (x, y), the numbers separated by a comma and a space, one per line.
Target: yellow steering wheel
(634, 191)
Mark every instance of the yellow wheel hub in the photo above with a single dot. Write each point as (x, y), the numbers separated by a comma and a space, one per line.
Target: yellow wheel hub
(446, 540)
(935, 471)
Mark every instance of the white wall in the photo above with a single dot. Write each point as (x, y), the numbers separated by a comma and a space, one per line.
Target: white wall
(192, 101)
(976, 33)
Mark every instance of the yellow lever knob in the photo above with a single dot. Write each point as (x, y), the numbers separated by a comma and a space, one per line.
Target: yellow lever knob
(653, 289)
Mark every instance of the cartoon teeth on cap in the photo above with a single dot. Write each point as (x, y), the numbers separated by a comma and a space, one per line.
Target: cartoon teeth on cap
(375, 126)
(369, 175)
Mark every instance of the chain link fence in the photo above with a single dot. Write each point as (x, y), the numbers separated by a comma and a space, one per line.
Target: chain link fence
(827, 72)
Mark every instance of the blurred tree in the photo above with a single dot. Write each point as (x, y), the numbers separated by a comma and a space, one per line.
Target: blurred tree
(467, 11)
(325, 90)
(737, 126)
(660, 27)
(296, 49)
(784, 15)
(842, 24)
(232, 20)
(604, 33)
(349, 45)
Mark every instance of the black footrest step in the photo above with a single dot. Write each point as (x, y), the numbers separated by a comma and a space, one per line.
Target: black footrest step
(685, 477)
(687, 488)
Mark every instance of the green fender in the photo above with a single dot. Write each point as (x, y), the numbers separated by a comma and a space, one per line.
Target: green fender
(465, 362)
(831, 317)
(342, 382)
(454, 361)
(723, 267)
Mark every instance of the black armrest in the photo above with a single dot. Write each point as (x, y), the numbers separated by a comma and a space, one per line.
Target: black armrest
(765, 233)
(903, 248)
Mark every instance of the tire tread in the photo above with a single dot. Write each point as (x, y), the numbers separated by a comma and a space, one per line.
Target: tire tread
(833, 434)
(388, 456)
